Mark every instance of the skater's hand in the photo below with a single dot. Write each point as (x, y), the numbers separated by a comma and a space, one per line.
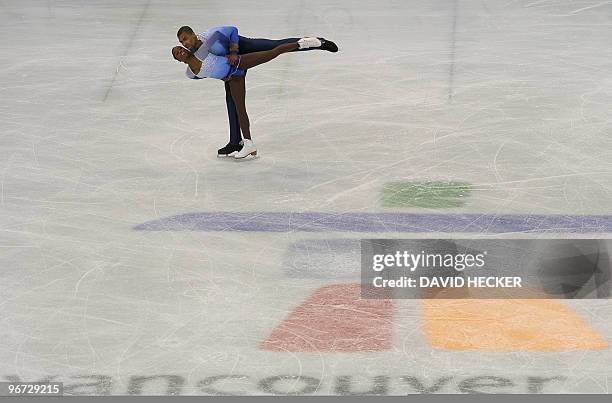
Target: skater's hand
(232, 59)
(233, 47)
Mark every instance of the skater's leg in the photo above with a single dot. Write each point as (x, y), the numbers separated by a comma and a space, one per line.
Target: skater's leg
(250, 45)
(255, 59)
(232, 114)
(238, 92)
(238, 88)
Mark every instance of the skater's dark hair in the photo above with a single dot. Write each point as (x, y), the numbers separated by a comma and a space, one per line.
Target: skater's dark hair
(184, 29)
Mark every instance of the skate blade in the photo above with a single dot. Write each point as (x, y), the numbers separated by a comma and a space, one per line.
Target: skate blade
(254, 154)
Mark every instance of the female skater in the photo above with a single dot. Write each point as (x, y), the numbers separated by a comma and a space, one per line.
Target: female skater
(231, 69)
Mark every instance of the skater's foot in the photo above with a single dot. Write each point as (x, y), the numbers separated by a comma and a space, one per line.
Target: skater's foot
(328, 45)
(229, 150)
(248, 148)
(306, 43)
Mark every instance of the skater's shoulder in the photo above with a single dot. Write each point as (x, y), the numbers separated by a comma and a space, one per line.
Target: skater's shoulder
(190, 74)
(202, 52)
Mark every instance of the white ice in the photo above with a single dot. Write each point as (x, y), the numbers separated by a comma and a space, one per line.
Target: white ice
(101, 131)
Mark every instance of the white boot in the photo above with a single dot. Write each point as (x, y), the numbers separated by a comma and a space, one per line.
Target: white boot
(248, 148)
(306, 43)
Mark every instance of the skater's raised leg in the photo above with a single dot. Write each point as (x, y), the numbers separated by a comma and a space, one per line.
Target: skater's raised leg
(250, 45)
(251, 60)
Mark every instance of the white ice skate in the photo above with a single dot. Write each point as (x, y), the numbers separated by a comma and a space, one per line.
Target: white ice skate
(306, 43)
(248, 148)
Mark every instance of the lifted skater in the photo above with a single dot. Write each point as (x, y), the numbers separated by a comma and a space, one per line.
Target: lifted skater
(223, 41)
(231, 69)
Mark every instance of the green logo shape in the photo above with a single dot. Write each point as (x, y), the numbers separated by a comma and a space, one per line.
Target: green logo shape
(425, 194)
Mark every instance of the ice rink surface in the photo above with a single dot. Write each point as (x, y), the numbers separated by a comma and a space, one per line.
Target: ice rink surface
(102, 133)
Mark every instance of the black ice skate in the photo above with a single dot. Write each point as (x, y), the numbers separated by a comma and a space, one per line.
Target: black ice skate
(229, 150)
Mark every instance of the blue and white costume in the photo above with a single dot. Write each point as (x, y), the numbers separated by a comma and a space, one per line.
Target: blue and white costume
(215, 46)
(217, 40)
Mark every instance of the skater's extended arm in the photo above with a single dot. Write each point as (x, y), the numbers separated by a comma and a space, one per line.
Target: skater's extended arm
(233, 38)
(222, 41)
